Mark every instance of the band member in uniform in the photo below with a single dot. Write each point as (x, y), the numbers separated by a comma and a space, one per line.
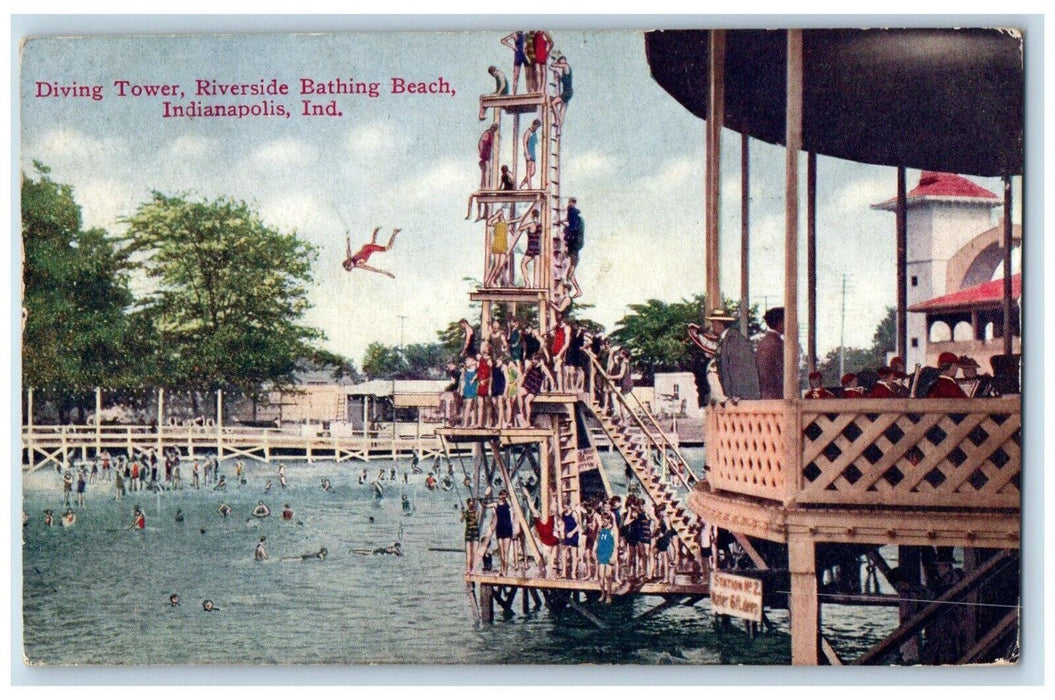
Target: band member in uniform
(850, 388)
(946, 387)
(817, 390)
(883, 388)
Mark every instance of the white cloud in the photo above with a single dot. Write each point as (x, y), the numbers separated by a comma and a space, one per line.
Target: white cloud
(70, 145)
(104, 200)
(284, 152)
(370, 140)
(191, 146)
(591, 164)
(856, 197)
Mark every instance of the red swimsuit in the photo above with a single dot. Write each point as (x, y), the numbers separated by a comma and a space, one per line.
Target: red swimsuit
(365, 252)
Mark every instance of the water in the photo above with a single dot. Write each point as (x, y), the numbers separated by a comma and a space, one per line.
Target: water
(98, 593)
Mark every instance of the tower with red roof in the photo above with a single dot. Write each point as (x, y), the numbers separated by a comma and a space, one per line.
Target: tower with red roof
(945, 214)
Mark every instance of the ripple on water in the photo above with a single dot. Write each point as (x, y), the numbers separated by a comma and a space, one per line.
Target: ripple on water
(98, 594)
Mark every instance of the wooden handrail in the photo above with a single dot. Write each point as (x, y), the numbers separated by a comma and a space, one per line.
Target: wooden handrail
(666, 443)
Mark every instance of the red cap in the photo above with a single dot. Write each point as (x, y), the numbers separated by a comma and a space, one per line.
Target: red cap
(847, 378)
(815, 375)
(948, 358)
(897, 360)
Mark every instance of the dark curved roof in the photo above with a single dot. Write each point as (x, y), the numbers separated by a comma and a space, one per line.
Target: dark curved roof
(934, 99)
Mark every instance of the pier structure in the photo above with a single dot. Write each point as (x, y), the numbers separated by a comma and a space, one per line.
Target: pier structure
(812, 488)
(557, 452)
(59, 445)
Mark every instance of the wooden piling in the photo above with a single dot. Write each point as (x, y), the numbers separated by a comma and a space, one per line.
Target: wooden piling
(487, 603)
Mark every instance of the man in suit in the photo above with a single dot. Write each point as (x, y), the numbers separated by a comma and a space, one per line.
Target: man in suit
(735, 360)
(769, 356)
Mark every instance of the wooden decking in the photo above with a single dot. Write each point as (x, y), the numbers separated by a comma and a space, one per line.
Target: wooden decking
(680, 587)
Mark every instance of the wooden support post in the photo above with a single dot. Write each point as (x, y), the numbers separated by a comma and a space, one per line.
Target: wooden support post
(98, 423)
(219, 426)
(803, 605)
(487, 603)
(901, 223)
(970, 611)
(161, 419)
(793, 142)
(524, 601)
(30, 448)
(712, 198)
(1007, 300)
(745, 231)
(544, 472)
(811, 261)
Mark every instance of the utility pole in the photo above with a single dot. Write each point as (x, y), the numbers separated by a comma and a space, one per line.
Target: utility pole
(401, 320)
(842, 329)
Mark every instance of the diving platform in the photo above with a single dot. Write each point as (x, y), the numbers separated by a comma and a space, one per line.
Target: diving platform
(505, 436)
(524, 196)
(514, 104)
(509, 295)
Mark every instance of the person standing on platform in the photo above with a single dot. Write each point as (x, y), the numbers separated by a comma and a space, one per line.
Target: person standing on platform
(946, 387)
(769, 357)
(502, 529)
(543, 44)
(530, 153)
(817, 390)
(485, 149)
(533, 229)
(469, 344)
(471, 518)
(515, 42)
(499, 248)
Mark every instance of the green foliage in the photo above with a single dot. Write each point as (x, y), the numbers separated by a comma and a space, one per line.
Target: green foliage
(416, 361)
(76, 334)
(655, 333)
(884, 340)
(228, 294)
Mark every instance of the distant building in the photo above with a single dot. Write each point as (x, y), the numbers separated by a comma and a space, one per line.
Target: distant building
(953, 247)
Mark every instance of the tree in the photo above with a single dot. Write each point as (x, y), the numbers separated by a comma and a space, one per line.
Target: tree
(228, 293)
(655, 334)
(75, 294)
(383, 361)
(884, 340)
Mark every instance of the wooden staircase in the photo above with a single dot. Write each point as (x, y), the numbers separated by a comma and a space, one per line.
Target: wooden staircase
(654, 459)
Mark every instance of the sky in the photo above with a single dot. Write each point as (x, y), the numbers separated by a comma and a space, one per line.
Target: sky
(631, 155)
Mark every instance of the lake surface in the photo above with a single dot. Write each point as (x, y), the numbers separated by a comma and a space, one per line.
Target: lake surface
(98, 593)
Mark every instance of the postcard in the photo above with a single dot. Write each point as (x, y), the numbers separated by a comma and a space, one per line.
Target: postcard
(694, 346)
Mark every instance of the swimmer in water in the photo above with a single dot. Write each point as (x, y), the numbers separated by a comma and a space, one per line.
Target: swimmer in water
(223, 509)
(179, 515)
(320, 555)
(221, 485)
(208, 606)
(48, 519)
(326, 486)
(394, 550)
(174, 600)
(406, 504)
(362, 477)
(287, 512)
(139, 521)
(267, 486)
(69, 518)
(261, 511)
(261, 552)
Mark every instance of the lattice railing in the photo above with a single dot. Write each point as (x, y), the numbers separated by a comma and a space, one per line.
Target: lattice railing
(912, 452)
(957, 453)
(747, 450)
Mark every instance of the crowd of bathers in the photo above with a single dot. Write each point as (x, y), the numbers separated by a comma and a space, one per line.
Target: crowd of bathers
(609, 541)
(496, 380)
